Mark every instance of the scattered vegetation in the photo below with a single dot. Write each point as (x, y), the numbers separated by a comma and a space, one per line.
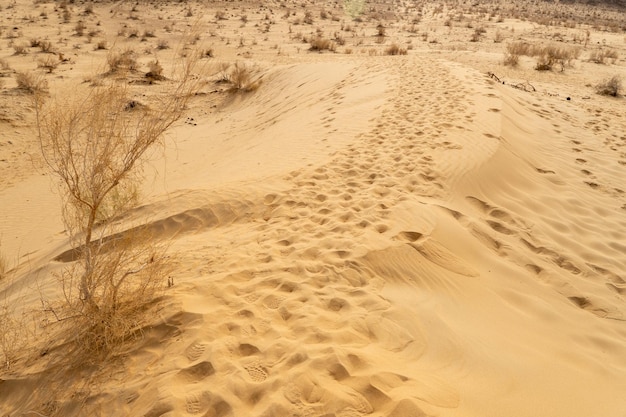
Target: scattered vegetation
(31, 83)
(603, 56)
(121, 61)
(610, 87)
(548, 56)
(242, 77)
(395, 49)
(320, 44)
(95, 147)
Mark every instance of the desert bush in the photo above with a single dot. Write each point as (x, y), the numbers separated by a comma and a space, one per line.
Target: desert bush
(20, 49)
(610, 87)
(101, 45)
(155, 70)
(163, 44)
(320, 44)
(31, 83)
(551, 55)
(121, 61)
(243, 78)
(95, 148)
(603, 56)
(80, 27)
(511, 60)
(395, 49)
(45, 46)
(49, 63)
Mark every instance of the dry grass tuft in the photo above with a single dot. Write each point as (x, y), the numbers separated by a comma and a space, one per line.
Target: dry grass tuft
(31, 83)
(604, 56)
(395, 49)
(121, 61)
(320, 44)
(242, 77)
(610, 87)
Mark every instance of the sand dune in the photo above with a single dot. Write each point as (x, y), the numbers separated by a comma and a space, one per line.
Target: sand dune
(396, 236)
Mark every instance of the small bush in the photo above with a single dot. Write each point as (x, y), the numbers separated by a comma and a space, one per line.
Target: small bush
(322, 44)
(45, 46)
(610, 87)
(394, 49)
(155, 70)
(31, 83)
(49, 63)
(511, 60)
(242, 78)
(603, 56)
(20, 49)
(122, 61)
(80, 28)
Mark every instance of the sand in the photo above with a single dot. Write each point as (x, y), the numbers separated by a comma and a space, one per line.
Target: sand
(362, 235)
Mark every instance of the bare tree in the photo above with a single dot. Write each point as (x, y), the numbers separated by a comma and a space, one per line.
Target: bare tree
(95, 147)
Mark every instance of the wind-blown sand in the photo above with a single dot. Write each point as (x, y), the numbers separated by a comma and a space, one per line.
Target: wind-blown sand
(395, 236)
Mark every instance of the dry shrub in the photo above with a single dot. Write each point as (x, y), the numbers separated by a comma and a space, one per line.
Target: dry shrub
(49, 63)
(395, 49)
(603, 56)
(45, 46)
(11, 337)
(547, 55)
(121, 61)
(320, 44)
(243, 78)
(20, 49)
(610, 87)
(551, 55)
(155, 70)
(31, 83)
(95, 148)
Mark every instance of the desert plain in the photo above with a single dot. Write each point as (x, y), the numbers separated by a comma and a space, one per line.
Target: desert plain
(385, 208)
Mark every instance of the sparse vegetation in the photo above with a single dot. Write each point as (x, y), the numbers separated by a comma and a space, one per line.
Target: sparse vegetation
(49, 63)
(603, 56)
(243, 78)
(31, 83)
(94, 147)
(320, 44)
(395, 49)
(121, 61)
(610, 87)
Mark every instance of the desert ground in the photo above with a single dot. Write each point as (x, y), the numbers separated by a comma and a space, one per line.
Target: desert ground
(386, 209)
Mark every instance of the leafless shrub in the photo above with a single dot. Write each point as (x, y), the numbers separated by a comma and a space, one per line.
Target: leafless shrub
(49, 63)
(243, 78)
(31, 83)
(46, 46)
(155, 70)
(395, 49)
(80, 27)
(163, 44)
(220, 15)
(20, 49)
(93, 146)
(322, 44)
(610, 87)
(603, 56)
(121, 61)
(101, 45)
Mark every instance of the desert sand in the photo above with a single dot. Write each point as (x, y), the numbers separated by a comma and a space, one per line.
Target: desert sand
(433, 233)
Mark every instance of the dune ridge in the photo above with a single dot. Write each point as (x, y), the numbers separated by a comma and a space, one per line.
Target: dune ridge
(386, 236)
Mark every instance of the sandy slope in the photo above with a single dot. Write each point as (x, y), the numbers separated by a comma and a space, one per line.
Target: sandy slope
(383, 236)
